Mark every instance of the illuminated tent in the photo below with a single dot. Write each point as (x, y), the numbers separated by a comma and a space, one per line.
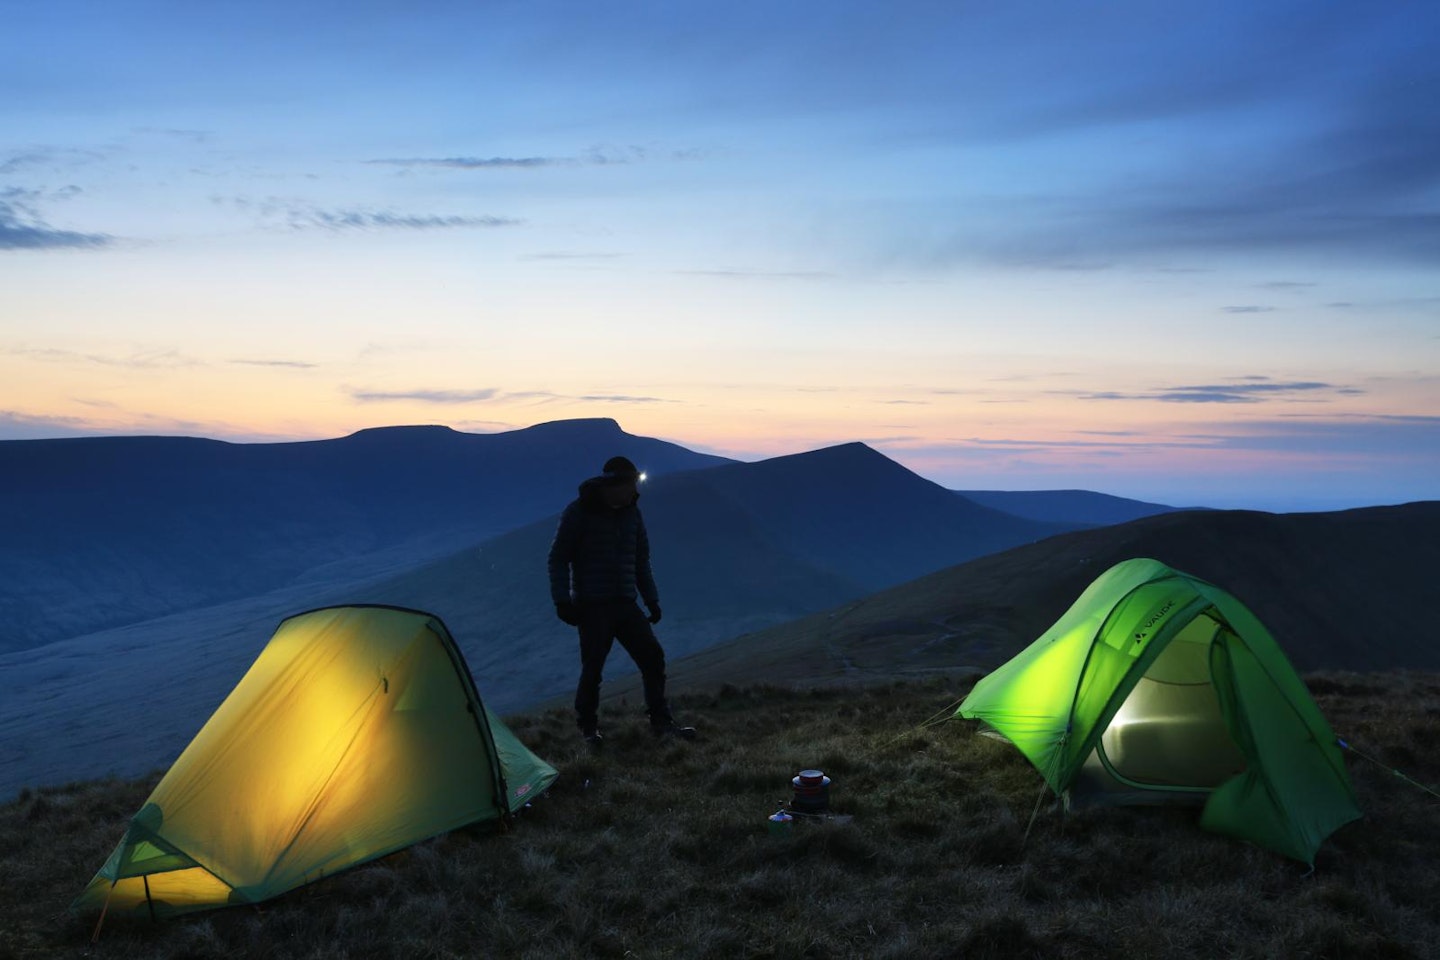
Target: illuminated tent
(357, 732)
(1156, 686)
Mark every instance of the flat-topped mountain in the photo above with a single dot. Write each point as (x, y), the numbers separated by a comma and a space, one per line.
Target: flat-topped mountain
(99, 532)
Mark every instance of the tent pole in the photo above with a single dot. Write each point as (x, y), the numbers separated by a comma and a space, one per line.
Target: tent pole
(95, 937)
(148, 902)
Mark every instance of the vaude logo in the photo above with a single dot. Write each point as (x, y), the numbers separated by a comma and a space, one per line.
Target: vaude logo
(1154, 619)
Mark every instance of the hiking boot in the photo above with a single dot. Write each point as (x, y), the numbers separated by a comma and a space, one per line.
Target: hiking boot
(591, 736)
(669, 728)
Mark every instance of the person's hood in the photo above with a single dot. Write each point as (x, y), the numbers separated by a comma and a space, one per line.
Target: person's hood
(590, 492)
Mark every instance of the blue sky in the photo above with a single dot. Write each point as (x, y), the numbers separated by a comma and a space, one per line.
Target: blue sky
(1186, 254)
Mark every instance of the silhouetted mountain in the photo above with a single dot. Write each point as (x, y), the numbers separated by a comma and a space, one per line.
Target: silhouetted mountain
(736, 548)
(97, 532)
(1337, 590)
(855, 512)
(1067, 506)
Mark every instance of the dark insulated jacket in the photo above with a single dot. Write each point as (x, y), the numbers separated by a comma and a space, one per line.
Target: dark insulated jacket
(599, 553)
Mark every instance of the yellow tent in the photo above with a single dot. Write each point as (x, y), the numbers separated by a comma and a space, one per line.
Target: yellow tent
(357, 732)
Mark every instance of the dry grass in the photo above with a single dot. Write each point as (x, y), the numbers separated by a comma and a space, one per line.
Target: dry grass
(661, 849)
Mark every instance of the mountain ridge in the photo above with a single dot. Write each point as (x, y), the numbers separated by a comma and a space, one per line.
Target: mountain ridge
(732, 555)
(883, 542)
(103, 531)
(840, 559)
(1083, 506)
(1337, 590)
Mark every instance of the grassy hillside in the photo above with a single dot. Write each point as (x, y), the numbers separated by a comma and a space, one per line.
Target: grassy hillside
(1337, 590)
(661, 849)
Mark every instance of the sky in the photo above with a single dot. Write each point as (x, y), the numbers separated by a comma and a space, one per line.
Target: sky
(1187, 253)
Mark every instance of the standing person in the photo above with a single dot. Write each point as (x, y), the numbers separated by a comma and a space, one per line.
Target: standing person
(599, 562)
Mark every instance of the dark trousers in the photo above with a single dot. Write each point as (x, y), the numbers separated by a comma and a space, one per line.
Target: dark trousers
(600, 625)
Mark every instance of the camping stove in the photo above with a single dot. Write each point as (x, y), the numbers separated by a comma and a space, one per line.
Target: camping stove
(812, 793)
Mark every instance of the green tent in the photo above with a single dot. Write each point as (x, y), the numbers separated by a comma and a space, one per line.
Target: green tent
(1156, 686)
(357, 732)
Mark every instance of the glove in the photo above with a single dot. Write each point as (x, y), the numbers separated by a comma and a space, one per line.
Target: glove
(654, 614)
(566, 612)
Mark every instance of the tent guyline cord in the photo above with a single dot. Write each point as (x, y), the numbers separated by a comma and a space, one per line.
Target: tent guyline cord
(945, 715)
(1402, 776)
(1040, 797)
(1044, 784)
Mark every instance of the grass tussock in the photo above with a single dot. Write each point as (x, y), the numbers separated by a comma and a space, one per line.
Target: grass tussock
(662, 849)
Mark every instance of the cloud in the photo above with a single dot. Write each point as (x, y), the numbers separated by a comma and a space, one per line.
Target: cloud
(758, 274)
(1320, 147)
(1392, 303)
(546, 396)
(478, 163)
(1346, 437)
(599, 156)
(1358, 182)
(50, 157)
(1250, 390)
(296, 364)
(361, 219)
(621, 398)
(425, 396)
(1248, 309)
(298, 215)
(19, 160)
(15, 425)
(485, 426)
(22, 227)
(497, 396)
(1281, 463)
(152, 359)
(192, 136)
(109, 420)
(1015, 443)
(560, 255)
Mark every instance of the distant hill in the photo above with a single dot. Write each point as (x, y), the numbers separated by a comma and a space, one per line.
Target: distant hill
(737, 548)
(1066, 506)
(100, 532)
(1343, 590)
(854, 511)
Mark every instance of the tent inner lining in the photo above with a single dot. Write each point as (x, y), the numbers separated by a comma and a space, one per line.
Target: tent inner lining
(1170, 733)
